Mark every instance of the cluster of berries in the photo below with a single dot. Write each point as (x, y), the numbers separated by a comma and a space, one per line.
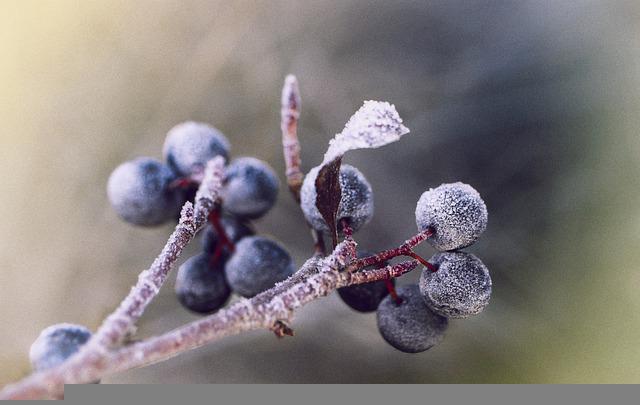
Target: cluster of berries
(411, 318)
(148, 192)
(457, 285)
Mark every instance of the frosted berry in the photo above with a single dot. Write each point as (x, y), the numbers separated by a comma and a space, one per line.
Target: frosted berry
(409, 325)
(256, 265)
(356, 201)
(460, 288)
(455, 212)
(139, 192)
(190, 145)
(250, 188)
(57, 343)
(201, 285)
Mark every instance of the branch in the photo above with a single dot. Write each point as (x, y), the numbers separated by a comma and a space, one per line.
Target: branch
(315, 279)
(117, 326)
(122, 321)
(289, 115)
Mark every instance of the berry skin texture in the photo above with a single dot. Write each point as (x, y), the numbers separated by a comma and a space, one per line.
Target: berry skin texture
(365, 297)
(190, 145)
(456, 213)
(139, 192)
(410, 326)
(460, 288)
(200, 286)
(57, 343)
(250, 188)
(234, 228)
(356, 202)
(256, 265)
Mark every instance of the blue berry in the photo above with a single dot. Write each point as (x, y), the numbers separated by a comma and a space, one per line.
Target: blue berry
(461, 286)
(455, 212)
(139, 192)
(234, 227)
(190, 145)
(250, 188)
(56, 344)
(201, 286)
(365, 297)
(256, 265)
(410, 326)
(356, 201)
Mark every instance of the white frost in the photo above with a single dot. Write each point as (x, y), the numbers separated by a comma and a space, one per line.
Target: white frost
(375, 124)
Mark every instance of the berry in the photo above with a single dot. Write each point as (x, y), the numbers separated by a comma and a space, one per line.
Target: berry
(409, 326)
(251, 188)
(365, 297)
(201, 286)
(455, 212)
(356, 201)
(257, 265)
(460, 288)
(56, 344)
(139, 192)
(190, 145)
(234, 228)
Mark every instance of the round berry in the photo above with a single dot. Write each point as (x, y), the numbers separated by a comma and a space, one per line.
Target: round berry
(139, 192)
(201, 285)
(257, 265)
(56, 344)
(190, 145)
(234, 228)
(455, 212)
(356, 201)
(365, 297)
(461, 286)
(409, 325)
(250, 188)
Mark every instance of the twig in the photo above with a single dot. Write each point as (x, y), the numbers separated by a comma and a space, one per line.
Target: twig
(289, 124)
(122, 321)
(117, 326)
(316, 278)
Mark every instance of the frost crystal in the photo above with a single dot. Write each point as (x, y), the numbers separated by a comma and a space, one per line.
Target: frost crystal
(375, 124)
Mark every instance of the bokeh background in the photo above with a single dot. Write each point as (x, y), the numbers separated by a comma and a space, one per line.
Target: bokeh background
(535, 103)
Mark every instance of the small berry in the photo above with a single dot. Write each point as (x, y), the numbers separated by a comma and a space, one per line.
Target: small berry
(201, 285)
(56, 344)
(234, 227)
(257, 265)
(356, 201)
(190, 145)
(455, 212)
(139, 192)
(409, 325)
(250, 188)
(365, 297)
(461, 286)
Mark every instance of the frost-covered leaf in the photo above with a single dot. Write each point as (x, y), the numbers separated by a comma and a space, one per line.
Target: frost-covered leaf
(375, 124)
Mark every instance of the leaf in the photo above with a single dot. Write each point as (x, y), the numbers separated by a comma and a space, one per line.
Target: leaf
(328, 194)
(375, 124)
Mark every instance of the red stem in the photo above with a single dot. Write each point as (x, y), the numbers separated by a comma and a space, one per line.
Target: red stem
(406, 249)
(392, 291)
(214, 219)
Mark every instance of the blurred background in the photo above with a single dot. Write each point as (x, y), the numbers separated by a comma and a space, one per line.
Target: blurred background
(534, 103)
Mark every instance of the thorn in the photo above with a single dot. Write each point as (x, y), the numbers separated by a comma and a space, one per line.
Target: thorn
(281, 329)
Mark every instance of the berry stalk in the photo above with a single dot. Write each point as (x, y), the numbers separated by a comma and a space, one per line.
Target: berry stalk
(406, 249)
